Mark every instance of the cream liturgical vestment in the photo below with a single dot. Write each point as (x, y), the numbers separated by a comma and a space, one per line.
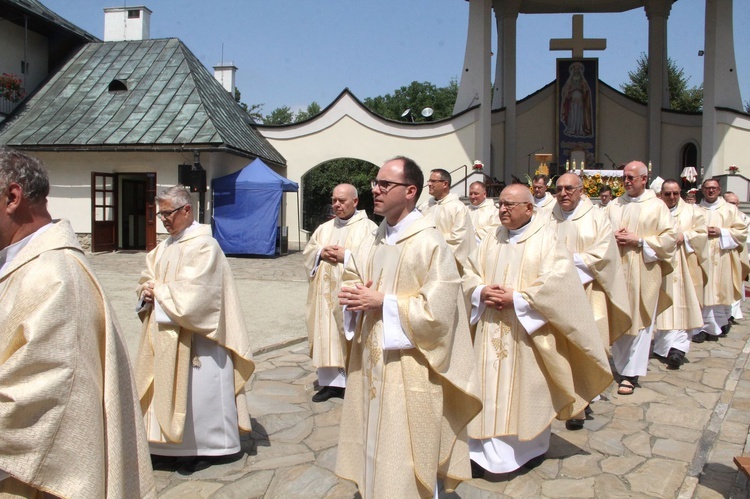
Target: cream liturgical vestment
(70, 423)
(726, 266)
(588, 235)
(408, 403)
(194, 361)
(452, 219)
(539, 360)
(324, 322)
(686, 281)
(649, 218)
(485, 218)
(544, 206)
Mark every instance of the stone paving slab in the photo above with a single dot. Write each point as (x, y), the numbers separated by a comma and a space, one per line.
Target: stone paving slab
(675, 436)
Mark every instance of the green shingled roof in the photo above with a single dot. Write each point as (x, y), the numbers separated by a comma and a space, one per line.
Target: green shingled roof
(171, 99)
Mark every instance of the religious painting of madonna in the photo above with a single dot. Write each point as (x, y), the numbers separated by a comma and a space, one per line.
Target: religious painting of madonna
(577, 104)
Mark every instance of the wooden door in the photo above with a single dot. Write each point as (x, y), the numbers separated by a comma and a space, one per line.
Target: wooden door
(103, 211)
(150, 211)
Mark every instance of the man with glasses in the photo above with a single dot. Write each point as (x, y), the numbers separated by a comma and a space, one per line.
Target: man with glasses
(588, 236)
(675, 326)
(324, 256)
(409, 395)
(451, 216)
(727, 269)
(543, 200)
(194, 356)
(645, 234)
(70, 422)
(536, 346)
(483, 211)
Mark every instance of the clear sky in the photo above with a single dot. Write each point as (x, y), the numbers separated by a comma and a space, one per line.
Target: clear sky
(294, 52)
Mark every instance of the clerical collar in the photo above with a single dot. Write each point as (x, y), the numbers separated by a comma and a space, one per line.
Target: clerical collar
(515, 234)
(392, 232)
(188, 230)
(635, 199)
(567, 214)
(8, 253)
(673, 208)
(711, 206)
(340, 222)
(539, 201)
(473, 207)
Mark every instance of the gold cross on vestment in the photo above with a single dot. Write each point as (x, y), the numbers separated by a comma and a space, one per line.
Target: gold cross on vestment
(578, 43)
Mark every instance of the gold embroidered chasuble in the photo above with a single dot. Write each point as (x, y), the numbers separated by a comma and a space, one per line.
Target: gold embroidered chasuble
(328, 347)
(527, 380)
(405, 411)
(589, 233)
(649, 218)
(453, 221)
(70, 423)
(685, 283)
(485, 218)
(727, 269)
(195, 287)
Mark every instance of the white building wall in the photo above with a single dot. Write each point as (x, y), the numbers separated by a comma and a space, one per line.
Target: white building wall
(12, 53)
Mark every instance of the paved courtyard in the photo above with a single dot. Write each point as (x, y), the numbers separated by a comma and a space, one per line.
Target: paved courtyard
(674, 437)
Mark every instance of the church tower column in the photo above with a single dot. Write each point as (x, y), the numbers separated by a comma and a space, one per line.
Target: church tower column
(720, 84)
(474, 87)
(657, 12)
(506, 14)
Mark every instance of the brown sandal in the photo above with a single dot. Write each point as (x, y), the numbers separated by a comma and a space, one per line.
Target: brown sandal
(625, 387)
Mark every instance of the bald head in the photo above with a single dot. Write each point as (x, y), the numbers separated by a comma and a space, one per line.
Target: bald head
(516, 206)
(635, 177)
(570, 179)
(518, 192)
(637, 168)
(477, 193)
(344, 200)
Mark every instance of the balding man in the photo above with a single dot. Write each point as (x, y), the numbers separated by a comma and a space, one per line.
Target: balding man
(451, 216)
(324, 256)
(536, 346)
(483, 211)
(727, 269)
(731, 198)
(543, 200)
(674, 326)
(70, 421)
(645, 235)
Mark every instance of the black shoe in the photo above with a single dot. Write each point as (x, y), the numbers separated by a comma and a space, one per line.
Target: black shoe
(329, 392)
(711, 337)
(675, 358)
(733, 321)
(476, 470)
(574, 424)
(700, 337)
(725, 330)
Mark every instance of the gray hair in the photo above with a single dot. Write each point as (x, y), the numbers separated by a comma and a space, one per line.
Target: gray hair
(177, 194)
(26, 171)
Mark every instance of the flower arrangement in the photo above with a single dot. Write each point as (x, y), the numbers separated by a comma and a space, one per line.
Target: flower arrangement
(592, 184)
(733, 169)
(478, 166)
(11, 88)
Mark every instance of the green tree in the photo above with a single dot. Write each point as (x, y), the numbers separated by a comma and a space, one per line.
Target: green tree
(318, 184)
(415, 97)
(253, 110)
(681, 97)
(280, 116)
(312, 110)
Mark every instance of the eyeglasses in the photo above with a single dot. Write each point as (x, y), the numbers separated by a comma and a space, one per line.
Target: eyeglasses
(436, 181)
(630, 178)
(669, 194)
(385, 185)
(166, 214)
(567, 188)
(707, 188)
(508, 205)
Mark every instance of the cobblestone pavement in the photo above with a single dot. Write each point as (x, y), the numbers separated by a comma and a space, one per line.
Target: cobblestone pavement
(675, 436)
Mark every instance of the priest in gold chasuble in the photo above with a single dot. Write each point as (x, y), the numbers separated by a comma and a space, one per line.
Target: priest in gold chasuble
(675, 326)
(409, 396)
(645, 234)
(194, 357)
(588, 235)
(537, 346)
(328, 348)
(70, 422)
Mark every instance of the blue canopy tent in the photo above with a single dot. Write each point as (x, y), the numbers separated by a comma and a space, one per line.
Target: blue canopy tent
(246, 209)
